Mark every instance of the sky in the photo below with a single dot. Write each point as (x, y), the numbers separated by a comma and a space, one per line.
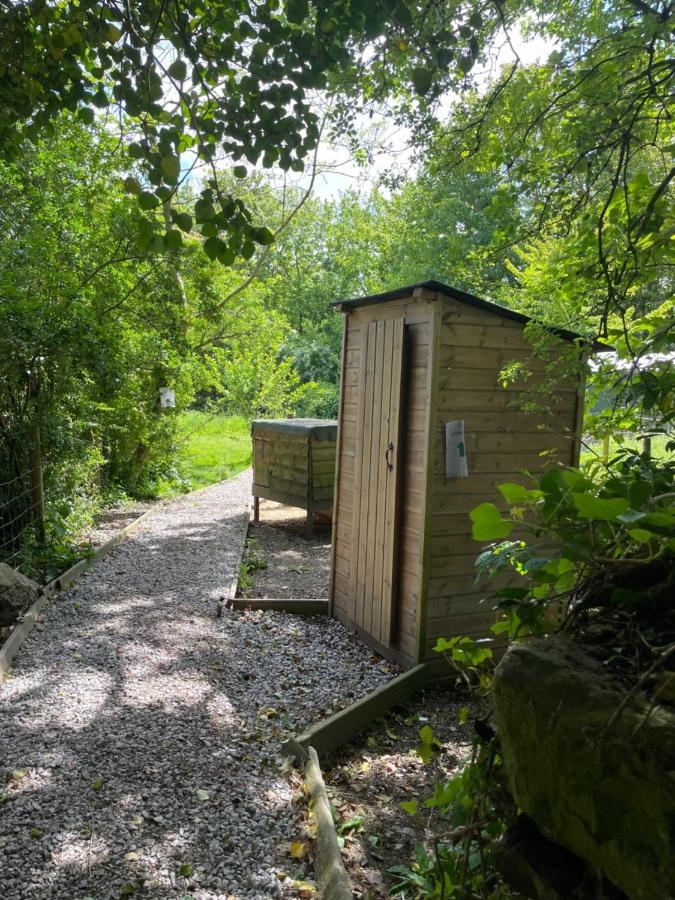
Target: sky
(389, 146)
(339, 172)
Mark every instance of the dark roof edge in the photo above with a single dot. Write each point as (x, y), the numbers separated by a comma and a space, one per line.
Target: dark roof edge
(471, 300)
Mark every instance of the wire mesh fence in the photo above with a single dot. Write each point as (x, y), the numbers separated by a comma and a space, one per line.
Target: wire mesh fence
(18, 510)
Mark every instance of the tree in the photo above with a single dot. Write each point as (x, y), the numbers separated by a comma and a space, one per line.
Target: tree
(91, 327)
(585, 140)
(235, 80)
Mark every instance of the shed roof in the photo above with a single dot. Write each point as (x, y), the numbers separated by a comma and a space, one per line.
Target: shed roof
(319, 429)
(463, 297)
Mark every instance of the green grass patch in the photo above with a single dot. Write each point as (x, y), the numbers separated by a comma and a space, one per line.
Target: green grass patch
(595, 450)
(213, 447)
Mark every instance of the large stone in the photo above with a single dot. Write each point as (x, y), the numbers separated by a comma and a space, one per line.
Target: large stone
(16, 594)
(604, 789)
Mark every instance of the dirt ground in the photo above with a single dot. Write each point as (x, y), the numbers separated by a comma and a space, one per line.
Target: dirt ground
(280, 561)
(113, 520)
(371, 777)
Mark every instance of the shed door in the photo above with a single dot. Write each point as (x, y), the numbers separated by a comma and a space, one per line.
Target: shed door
(376, 467)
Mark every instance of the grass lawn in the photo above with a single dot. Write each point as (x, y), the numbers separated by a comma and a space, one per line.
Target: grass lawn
(213, 447)
(658, 447)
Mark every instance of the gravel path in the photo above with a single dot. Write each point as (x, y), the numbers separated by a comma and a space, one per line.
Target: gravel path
(140, 736)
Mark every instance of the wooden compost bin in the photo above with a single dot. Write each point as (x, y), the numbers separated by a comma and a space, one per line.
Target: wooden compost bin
(294, 463)
(414, 360)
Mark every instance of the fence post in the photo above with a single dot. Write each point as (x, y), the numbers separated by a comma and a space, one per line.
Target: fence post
(36, 484)
(605, 448)
(647, 446)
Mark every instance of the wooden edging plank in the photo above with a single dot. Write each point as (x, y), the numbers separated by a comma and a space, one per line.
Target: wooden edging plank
(241, 546)
(329, 868)
(11, 646)
(342, 726)
(308, 607)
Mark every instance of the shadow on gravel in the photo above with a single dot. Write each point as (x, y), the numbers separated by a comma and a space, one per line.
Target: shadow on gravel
(136, 759)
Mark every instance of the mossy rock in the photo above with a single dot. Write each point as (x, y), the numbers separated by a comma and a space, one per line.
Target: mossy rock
(604, 789)
(16, 594)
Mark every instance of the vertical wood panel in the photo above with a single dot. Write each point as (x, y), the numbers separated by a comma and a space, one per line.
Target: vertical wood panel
(372, 590)
(388, 618)
(384, 353)
(374, 520)
(358, 475)
(363, 499)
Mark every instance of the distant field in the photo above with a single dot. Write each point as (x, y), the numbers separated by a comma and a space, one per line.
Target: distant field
(213, 447)
(658, 447)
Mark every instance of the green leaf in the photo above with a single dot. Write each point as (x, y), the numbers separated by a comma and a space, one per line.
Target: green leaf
(202, 795)
(606, 510)
(297, 11)
(429, 745)
(227, 257)
(352, 824)
(214, 246)
(173, 239)
(662, 523)
(442, 645)
(85, 114)
(170, 166)
(422, 80)
(135, 151)
(97, 784)
(263, 236)
(204, 210)
(183, 220)
(515, 493)
(178, 70)
(488, 524)
(132, 185)
(185, 870)
(148, 200)
(239, 171)
(640, 535)
(410, 806)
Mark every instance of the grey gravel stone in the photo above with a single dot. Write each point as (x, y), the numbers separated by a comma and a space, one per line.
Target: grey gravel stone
(134, 697)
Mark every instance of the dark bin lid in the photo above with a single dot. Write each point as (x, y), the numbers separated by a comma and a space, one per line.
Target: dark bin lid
(319, 429)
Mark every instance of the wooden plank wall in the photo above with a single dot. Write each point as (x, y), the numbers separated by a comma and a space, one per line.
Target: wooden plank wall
(280, 466)
(323, 469)
(417, 315)
(287, 468)
(500, 441)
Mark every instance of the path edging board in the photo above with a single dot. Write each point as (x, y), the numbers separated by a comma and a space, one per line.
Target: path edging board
(246, 516)
(308, 607)
(338, 729)
(21, 631)
(328, 866)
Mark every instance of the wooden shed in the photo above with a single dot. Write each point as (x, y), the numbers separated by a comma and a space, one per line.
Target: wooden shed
(425, 433)
(294, 463)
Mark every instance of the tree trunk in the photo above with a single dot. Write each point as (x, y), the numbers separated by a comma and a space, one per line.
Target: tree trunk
(36, 483)
(141, 455)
